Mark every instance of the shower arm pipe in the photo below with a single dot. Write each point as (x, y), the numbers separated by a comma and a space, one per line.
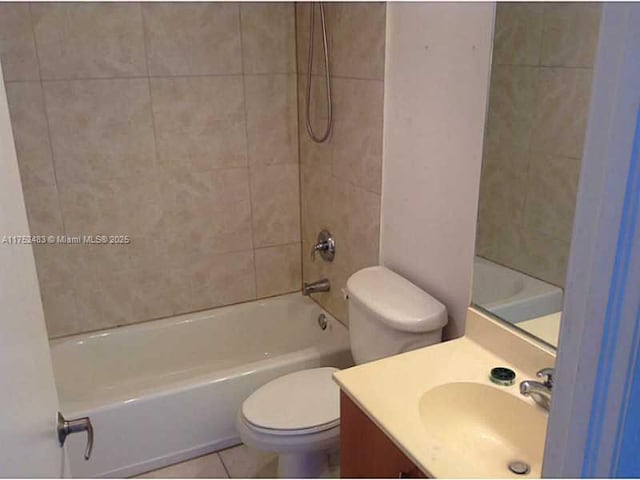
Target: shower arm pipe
(327, 73)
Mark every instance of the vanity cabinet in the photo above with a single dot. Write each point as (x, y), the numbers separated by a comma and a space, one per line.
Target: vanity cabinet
(366, 452)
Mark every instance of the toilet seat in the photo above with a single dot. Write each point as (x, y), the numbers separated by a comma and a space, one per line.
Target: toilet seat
(292, 432)
(300, 403)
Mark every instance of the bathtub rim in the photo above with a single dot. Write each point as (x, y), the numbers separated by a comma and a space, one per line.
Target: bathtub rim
(535, 290)
(187, 317)
(333, 344)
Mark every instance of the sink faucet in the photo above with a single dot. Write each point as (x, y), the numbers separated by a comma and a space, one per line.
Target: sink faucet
(539, 391)
(313, 287)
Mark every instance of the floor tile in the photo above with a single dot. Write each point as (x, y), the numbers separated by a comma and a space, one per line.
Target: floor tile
(245, 462)
(207, 466)
(235, 462)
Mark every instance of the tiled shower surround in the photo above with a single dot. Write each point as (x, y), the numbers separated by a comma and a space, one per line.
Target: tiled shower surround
(340, 179)
(177, 124)
(539, 100)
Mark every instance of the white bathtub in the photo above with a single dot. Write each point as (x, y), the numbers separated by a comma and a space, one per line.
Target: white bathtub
(512, 295)
(167, 390)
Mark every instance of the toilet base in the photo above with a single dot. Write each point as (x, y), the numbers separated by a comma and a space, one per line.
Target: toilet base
(313, 464)
(299, 455)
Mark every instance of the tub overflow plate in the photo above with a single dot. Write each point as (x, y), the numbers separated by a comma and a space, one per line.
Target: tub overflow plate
(322, 321)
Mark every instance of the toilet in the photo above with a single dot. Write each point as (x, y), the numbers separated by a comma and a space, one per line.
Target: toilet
(298, 415)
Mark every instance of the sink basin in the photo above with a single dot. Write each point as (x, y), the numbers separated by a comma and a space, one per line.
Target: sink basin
(485, 427)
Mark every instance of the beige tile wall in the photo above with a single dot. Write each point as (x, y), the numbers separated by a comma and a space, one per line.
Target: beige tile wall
(173, 123)
(539, 100)
(340, 179)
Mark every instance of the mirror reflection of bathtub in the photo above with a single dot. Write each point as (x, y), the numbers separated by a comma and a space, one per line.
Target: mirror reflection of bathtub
(532, 157)
(529, 303)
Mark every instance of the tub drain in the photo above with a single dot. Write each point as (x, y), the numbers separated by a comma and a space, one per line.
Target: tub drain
(519, 468)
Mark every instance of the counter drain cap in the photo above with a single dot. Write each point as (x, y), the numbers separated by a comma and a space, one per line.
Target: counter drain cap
(519, 468)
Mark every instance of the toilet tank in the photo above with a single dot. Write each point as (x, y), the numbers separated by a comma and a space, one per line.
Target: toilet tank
(389, 315)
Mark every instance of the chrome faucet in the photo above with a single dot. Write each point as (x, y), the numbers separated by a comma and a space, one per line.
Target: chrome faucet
(313, 287)
(540, 391)
(326, 245)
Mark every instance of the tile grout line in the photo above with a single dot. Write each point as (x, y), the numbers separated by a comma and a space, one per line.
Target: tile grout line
(540, 39)
(236, 74)
(186, 312)
(246, 146)
(224, 466)
(148, 78)
(140, 77)
(158, 176)
(344, 77)
(309, 76)
(57, 182)
(53, 157)
(276, 245)
(542, 66)
(298, 146)
(46, 116)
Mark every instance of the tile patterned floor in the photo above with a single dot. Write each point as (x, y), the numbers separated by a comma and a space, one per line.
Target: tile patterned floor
(235, 462)
(207, 466)
(245, 462)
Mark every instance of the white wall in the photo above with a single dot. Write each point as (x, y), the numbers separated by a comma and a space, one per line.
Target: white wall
(438, 58)
(29, 402)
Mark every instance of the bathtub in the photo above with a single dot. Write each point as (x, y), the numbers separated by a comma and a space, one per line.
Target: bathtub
(167, 390)
(512, 295)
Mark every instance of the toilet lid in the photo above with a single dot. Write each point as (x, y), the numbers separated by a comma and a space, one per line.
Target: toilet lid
(308, 399)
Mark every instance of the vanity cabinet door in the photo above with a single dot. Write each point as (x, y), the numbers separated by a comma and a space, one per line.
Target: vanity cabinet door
(366, 452)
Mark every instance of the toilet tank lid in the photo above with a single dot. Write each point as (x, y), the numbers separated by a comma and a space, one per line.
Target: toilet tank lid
(398, 302)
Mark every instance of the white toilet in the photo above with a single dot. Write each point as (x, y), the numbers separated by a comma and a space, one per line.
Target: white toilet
(298, 415)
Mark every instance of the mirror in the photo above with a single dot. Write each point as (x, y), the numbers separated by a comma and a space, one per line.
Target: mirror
(543, 55)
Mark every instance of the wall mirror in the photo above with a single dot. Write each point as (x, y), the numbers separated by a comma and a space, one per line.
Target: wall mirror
(543, 55)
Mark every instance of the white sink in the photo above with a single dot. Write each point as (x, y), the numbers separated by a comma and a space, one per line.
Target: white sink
(485, 427)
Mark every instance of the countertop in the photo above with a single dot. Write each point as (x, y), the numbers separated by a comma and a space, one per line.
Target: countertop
(389, 390)
(547, 328)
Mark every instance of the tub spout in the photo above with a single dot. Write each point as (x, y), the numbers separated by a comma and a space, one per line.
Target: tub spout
(313, 287)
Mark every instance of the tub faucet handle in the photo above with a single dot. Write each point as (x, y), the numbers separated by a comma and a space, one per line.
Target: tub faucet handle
(326, 245)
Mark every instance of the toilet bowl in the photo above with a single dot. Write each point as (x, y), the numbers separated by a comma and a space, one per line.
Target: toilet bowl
(298, 415)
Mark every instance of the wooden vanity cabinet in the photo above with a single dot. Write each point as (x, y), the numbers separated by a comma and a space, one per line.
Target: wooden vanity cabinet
(366, 452)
